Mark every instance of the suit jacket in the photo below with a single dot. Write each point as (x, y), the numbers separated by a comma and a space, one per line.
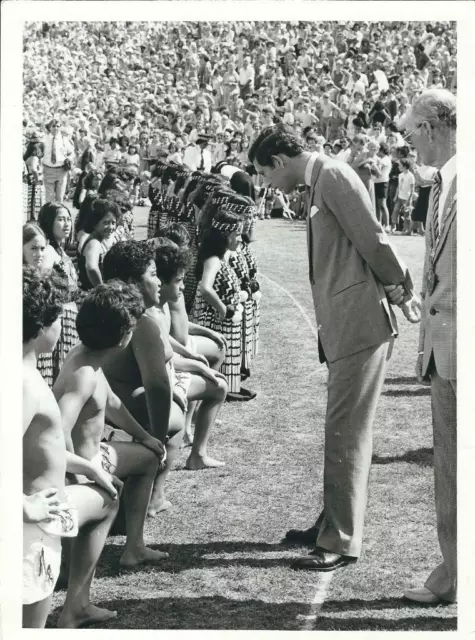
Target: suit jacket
(350, 259)
(438, 331)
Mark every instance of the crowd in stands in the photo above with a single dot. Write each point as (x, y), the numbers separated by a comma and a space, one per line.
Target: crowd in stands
(141, 340)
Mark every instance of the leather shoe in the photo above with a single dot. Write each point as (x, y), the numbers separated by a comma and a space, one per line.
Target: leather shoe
(302, 536)
(422, 595)
(322, 560)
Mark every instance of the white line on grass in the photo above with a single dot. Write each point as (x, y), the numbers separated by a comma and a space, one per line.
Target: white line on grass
(325, 578)
(317, 602)
(305, 315)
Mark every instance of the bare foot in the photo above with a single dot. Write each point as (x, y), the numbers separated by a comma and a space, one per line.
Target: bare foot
(155, 509)
(84, 617)
(195, 463)
(131, 559)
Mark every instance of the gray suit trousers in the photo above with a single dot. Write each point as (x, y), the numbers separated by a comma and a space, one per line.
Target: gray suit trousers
(354, 387)
(443, 580)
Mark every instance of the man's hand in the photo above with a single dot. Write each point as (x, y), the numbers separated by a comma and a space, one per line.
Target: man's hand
(419, 376)
(156, 446)
(41, 506)
(395, 293)
(412, 309)
(212, 375)
(111, 484)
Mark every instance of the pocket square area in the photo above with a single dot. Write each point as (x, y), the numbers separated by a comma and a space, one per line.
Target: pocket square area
(313, 210)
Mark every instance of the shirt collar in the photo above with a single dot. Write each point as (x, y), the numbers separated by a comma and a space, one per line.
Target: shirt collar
(448, 171)
(309, 168)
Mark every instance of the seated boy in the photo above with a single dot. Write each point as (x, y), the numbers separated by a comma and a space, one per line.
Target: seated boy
(139, 373)
(105, 322)
(199, 381)
(188, 339)
(50, 509)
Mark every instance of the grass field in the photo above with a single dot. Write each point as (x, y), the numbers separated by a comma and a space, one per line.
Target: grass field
(227, 567)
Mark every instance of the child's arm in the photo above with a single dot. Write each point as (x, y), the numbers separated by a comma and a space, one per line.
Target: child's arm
(210, 270)
(122, 418)
(92, 253)
(181, 350)
(79, 386)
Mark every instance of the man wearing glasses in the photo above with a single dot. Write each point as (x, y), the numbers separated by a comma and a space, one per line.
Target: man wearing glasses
(57, 162)
(432, 126)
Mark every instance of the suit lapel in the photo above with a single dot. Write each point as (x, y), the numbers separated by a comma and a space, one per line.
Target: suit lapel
(450, 210)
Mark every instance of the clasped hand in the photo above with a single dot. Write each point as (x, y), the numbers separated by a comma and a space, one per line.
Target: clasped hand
(411, 306)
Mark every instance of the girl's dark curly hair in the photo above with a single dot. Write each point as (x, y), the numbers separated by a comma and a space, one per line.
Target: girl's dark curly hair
(43, 299)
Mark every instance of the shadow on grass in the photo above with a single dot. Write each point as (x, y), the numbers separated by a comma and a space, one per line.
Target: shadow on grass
(183, 557)
(402, 380)
(424, 457)
(398, 393)
(217, 612)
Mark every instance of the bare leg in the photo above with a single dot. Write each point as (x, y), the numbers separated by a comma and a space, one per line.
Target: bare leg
(138, 465)
(175, 432)
(96, 511)
(35, 615)
(212, 397)
(384, 213)
(210, 350)
(188, 434)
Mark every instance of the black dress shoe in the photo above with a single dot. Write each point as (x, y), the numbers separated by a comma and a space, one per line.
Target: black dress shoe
(302, 536)
(322, 560)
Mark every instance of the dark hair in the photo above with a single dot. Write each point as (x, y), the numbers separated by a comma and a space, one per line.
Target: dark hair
(274, 140)
(84, 212)
(384, 148)
(169, 258)
(405, 163)
(78, 189)
(215, 242)
(109, 180)
(100, 208)
(403, 152)
(30, 231)
(32, 145)
(89, 178)
(107, 313)
(46, 218)
(242, 184)
(127, 260)
(43, 299)
(175, 232)
(120, 199)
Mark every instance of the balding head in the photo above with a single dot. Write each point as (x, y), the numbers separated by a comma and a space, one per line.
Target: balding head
(431, 124)
(437, 107)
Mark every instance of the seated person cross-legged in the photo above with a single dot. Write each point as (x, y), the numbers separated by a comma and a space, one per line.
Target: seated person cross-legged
(187, 338)
(138, 374)
(53, 511)
(198, 381)
(105, 322)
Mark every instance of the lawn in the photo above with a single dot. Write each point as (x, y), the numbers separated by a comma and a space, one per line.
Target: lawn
(228, 568)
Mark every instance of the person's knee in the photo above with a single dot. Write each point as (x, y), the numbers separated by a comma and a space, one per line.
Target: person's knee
(222, 389)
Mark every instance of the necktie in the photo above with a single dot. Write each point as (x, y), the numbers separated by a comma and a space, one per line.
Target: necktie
(436, 189)
(202, 161)
(53, 150)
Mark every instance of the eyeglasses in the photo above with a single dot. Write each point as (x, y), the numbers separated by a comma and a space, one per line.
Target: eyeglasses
(409, 135)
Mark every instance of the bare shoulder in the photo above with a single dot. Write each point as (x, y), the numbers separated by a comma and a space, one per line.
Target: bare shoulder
(149, 328)
(76, 375)
(38, 399)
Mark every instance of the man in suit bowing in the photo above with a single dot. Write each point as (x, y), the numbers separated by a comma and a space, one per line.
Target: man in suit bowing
(431, 124)
(350, 261)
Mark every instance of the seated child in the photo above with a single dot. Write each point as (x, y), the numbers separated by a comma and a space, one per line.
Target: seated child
(105, 323)
(50, 509)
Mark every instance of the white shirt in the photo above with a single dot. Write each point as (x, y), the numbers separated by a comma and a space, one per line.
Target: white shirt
(406, 185)
(63, 150)
(343, 155)
(309, 168)
(192, 158)
(447, 173)
(245, 75)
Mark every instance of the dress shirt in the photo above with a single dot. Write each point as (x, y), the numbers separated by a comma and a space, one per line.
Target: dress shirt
(447, 173)
(63, 150)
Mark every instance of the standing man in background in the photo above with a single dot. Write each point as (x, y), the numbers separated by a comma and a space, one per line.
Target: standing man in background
(57, 162)
(432, 126)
